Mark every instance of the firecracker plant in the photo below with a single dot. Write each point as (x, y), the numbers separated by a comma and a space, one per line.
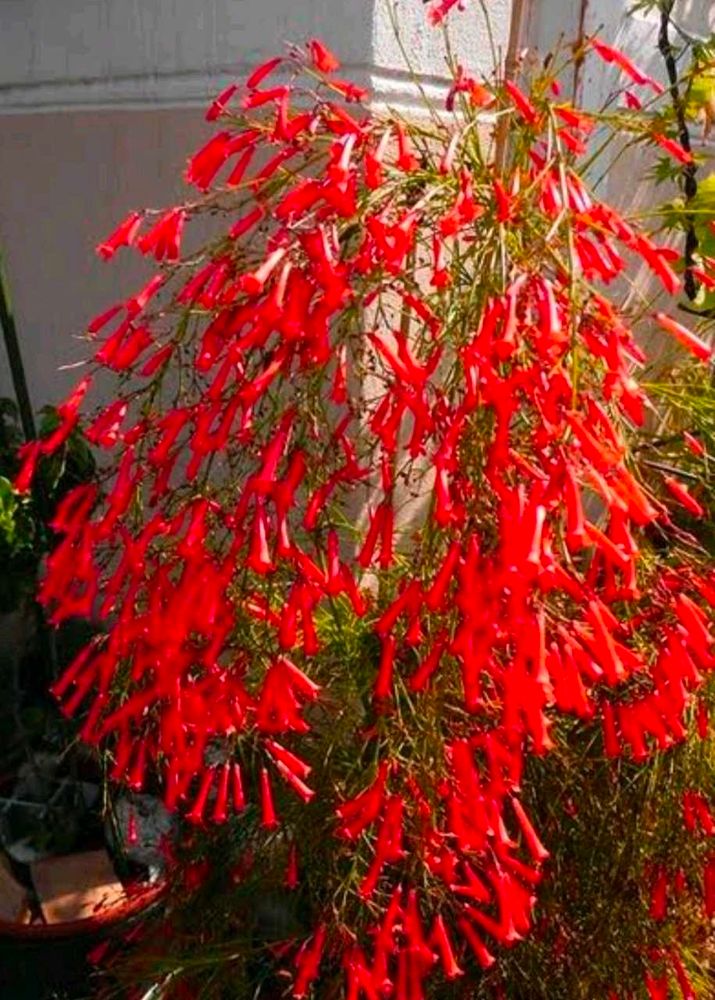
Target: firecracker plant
(392, 616)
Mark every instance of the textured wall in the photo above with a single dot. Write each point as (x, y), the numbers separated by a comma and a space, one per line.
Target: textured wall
(67, 179)
(97, 52)
(97, 118)
(59, 53)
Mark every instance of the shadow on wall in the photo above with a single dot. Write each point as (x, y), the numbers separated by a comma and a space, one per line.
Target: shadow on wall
(697, 16)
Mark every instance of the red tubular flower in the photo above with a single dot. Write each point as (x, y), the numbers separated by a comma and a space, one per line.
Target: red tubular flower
(703, 814)
(73, 510)
(365, 556)
(674, 148)
(406, 159)
(657, 986)
(157, 360)
(658, 910)
(383, 681)
(299, 199)
(420, 953)
(434, 597)
(373, 161)
(522, 103)
(68, 412)
(575, 523)
(246, 223)
(196, 814)
(219, 105)
(124, 347)
(296, 783)
(610, 733)
(350, 91)
(421, 677)
(408, 602)
(709, 887)
(323, 59)
(477, 95)
(100, 321)
(359, 977)
(611, 55)
(685, 498)
(440, 941)
(535, 847)
(221, 804)
(123, 236)
(239, 800)
(308, 962)
(684, 984)
(259, 74)
(574, 118)
(138, 303)
(441, 277)
(164, 238)
(695, 624)
(685, 337)
(658, 259)
(388, 847)
(290, 760)
(694, 445)
(503, 202)
(440, 8)
(257, 98)
(135, 775)
(362, 811)
(205, 164)
(259, 556)
(241, 166)
(269, 820)
(481, 952)
(254, 281)
(29, 455)
(278, 709)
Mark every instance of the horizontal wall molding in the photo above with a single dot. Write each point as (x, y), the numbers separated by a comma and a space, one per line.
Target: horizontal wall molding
(388, 87)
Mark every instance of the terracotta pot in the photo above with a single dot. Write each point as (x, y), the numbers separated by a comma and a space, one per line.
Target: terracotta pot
(43, 961)
(105, 918)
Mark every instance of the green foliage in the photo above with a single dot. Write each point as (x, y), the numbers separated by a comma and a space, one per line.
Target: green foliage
(701, 83)
(25, 534)
(606, 823)
(697, 213)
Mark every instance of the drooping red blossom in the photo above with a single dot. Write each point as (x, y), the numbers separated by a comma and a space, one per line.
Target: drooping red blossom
(626, 65)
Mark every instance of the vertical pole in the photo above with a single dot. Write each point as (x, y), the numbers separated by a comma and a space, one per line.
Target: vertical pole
(17, 369)
(520, 10)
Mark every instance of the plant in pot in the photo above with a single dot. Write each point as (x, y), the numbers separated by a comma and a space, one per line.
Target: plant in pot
(56, 822)
(373, 553)
(32, 657)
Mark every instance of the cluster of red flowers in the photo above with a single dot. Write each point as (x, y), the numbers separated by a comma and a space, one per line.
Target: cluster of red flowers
(324, 354)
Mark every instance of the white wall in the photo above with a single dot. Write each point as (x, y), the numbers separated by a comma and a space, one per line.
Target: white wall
(69, 53)
(98, 112)
(60, 53)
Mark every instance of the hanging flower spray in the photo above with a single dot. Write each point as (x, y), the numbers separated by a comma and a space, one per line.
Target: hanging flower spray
(391, 318)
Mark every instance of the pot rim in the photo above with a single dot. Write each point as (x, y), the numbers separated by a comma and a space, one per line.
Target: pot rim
(107, 916)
